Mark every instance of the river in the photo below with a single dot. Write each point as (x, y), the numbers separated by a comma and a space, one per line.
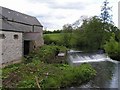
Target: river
(108, 70)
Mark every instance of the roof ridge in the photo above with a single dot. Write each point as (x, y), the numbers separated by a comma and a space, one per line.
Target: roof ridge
(17, 12)
(19, 17)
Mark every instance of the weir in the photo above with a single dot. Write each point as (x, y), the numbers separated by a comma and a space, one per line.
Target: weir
(108, 70)
(76, 57)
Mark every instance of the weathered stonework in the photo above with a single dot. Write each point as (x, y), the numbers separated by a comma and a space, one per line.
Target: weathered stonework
(12, 49)
(19, 35)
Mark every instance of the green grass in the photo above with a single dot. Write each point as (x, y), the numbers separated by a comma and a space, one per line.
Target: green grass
(56, 39)
(61, 39)
(54, 36)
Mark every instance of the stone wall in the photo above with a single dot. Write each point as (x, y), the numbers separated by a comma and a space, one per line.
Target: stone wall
(39, 40)
(12, 46)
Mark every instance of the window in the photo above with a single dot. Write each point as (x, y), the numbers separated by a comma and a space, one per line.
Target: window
(15, 36)
(2, 36)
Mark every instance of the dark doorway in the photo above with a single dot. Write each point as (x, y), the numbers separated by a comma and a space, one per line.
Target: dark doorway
(26, 47)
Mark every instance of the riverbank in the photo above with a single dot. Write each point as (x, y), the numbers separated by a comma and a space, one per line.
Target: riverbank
(35, 72)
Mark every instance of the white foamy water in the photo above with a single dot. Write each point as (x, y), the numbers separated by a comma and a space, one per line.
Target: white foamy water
(90, 58)
(87, 58)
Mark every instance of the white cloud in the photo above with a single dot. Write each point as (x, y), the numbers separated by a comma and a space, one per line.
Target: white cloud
(53, 14)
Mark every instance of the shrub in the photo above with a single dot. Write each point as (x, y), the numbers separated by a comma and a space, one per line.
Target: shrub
(48, 53)
(47, 40)
(112, 47)
(69, 76)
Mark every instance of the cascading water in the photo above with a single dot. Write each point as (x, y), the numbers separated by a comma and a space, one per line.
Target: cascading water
(108, 70)
(87, 58)
(76, 57)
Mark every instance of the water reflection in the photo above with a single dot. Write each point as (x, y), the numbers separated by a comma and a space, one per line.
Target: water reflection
(107, 71)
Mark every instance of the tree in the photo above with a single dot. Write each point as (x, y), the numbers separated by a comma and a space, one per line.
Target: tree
(67, 28)
(94, 33)
(67, 35)
(91, 35)
(105, 13)
(78, 22)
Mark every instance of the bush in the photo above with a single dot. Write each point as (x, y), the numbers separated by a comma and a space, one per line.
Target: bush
(69, 76)
(48, 53)
(47, 40)
(112, 47)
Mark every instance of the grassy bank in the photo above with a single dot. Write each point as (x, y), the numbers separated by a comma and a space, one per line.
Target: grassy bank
(41, 74)
(55, 36)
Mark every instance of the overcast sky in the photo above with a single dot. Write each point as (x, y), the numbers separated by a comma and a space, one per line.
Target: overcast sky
(53, 14)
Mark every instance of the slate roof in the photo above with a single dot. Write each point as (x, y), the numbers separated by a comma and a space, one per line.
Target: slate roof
(16, 21)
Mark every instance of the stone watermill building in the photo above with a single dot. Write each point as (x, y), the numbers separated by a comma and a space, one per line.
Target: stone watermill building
(19, 35)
